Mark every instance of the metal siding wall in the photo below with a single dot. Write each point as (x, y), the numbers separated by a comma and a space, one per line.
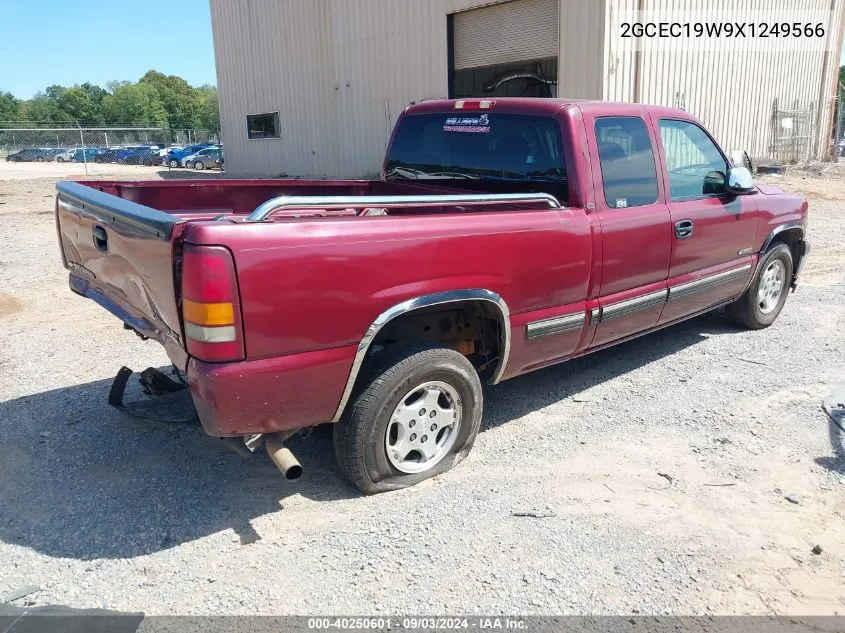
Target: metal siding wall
(499, 34)
(252, 49)
(731, 92)
(339, 72)
(582, 49)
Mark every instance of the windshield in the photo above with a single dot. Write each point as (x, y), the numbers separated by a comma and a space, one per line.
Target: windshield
(468, 146)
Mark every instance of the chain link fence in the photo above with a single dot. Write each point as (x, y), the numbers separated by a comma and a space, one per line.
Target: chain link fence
(138, 144)
(838, 140)
(793, 131)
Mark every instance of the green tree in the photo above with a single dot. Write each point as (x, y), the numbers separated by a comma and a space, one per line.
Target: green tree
(177, 96)
(209, 108)
(78, 105)
(135, 104)
(10, 108)
(40, 108)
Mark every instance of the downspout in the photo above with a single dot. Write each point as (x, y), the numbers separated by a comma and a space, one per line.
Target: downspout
(638, 58)
(834, 83)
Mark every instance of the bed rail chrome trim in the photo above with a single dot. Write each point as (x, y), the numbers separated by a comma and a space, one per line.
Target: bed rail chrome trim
(425, 301)
(555, 325)
(265, 210)
(706, 283)
(622, 308)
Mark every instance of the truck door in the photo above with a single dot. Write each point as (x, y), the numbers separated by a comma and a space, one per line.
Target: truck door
(713, 232)
(634, 221)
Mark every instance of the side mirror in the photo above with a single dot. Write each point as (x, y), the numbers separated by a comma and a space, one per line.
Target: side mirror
(739, 181)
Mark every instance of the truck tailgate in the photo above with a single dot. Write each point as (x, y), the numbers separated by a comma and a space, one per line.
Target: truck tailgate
(122, 255)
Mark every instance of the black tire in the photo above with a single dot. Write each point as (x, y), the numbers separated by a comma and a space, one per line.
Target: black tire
(199, 165)
(359, 437)
(174, 163)
(746, 311)
(39, 159)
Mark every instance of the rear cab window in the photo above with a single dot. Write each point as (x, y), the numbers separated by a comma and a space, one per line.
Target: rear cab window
(628, 170)
(484, 151)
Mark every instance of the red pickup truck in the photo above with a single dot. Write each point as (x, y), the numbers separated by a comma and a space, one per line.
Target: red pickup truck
(503, 236)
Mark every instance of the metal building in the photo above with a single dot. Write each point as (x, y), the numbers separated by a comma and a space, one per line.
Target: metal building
(313, 87)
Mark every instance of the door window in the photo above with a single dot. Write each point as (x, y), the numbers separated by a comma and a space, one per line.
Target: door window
(696, 167)
(627, 162)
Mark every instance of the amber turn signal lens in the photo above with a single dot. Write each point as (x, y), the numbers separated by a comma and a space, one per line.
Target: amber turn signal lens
(208, 313)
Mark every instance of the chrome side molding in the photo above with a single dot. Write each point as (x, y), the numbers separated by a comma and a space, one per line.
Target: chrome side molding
(265, 210)
(706, 283)
(616, 310)
(425, 301)
(555, 325)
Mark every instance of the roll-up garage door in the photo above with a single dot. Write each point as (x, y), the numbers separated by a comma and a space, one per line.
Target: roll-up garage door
(508, 32)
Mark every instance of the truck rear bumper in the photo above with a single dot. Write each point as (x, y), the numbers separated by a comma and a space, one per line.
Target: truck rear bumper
(269, 394)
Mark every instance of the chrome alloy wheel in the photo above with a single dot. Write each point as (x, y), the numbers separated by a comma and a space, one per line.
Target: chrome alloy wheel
(423, 427)
(771, 286)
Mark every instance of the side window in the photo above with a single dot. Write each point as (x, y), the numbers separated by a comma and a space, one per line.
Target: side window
(696, 166)
(627, 162)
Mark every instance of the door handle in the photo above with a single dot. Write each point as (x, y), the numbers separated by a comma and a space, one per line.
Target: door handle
(684, 229)
(101, 238)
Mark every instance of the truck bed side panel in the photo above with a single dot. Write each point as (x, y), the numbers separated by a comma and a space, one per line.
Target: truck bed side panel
(309, 285)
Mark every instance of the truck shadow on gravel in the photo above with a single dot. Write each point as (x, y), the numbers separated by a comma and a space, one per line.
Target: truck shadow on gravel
(81, 480)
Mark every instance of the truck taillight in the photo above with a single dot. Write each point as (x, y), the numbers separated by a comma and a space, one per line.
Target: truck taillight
(211, 309)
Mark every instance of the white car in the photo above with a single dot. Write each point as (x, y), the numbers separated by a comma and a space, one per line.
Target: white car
(190, 160)
(66, 156)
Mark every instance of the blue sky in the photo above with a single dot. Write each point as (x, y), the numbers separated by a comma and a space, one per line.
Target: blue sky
(46, 42)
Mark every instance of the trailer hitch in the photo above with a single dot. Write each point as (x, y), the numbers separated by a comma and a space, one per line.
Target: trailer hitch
(169, 400)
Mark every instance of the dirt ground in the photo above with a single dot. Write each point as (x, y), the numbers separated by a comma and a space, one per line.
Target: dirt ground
(688, 472)
(77, 171)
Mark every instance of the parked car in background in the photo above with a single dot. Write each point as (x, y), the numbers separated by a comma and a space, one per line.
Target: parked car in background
(191, 159)
(478, 255)
(174, 156)
(207, 159)
(128, 154)
(32, 154)
(65, 155)
(139, 156)
(107, 155)
(151, 157)
(88, 154)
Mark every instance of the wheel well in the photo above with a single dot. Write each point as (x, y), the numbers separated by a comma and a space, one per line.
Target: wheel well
(474, 328)
(794, 239)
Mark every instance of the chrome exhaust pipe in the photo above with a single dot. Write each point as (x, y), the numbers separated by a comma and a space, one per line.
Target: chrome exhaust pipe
(282, 456)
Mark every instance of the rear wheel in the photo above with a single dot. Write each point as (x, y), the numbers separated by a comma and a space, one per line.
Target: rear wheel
(39, 159)
(416, 415)
(174, 163)
(199, 165)
(762, 302)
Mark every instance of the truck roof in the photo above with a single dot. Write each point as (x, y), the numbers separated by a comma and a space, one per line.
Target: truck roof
(541, 106)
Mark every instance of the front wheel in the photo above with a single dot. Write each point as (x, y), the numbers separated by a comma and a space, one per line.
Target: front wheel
(416, 415)
(174, 163)
(199, 165)
(762, 302)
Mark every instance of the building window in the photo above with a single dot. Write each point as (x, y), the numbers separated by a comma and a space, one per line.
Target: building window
(262, 125)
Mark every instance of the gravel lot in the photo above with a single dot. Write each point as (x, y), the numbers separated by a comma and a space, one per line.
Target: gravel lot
(659, 470)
